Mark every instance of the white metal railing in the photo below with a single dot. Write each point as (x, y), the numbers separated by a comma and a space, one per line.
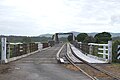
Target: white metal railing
(103, 49)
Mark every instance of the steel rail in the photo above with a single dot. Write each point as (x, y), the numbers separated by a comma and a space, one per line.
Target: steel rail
(68, 58)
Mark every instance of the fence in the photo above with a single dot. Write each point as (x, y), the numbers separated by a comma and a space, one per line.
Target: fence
(9, 50)
(102, 51)
(17, 49)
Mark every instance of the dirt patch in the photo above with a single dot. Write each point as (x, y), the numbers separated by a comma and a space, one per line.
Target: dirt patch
(71, 67)
(5, 68)
(91, 71)
(113, 68)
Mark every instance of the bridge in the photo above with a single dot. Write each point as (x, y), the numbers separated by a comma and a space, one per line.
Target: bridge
(45, 64)
(56, 39)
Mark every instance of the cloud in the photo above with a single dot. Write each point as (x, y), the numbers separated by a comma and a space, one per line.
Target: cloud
(115, 19)
(34, 17)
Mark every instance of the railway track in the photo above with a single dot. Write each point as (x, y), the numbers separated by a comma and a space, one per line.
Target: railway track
(91, 70)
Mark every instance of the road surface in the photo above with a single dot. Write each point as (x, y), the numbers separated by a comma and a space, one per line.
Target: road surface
(41, 66)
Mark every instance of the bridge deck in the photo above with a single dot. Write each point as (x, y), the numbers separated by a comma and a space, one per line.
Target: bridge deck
(85, 57)
(41, 66)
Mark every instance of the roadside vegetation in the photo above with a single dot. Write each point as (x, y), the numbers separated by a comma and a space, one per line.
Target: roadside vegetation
(100, 38)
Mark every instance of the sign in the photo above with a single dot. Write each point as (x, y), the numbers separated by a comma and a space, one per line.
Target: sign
(118, 52)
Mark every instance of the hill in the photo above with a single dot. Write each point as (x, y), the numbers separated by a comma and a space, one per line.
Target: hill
(76, 33)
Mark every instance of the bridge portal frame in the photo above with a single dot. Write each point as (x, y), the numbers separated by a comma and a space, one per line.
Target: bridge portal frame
(56, 39)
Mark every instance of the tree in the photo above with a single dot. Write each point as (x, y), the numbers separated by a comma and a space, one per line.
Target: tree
(26, 40)
(103, 37)
(81, 37)
(70, 38)
(89, 39)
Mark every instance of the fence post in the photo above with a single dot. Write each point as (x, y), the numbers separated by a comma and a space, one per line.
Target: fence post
(110, 51)
(80, 43)
(90, 49)
(40, 46)
(8, 51)
(104, 52)
(3, 50)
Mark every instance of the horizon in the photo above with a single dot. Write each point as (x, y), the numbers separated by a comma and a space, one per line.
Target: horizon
(54, 33)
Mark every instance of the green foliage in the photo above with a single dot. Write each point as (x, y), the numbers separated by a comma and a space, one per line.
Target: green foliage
(103, 37)
(15, 39)
(81, 37)
(114, 50)
(89, 39)
(26, 40)
(70, 38)
(63, 39)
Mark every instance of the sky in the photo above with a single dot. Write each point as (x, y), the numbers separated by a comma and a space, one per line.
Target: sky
(35, 17)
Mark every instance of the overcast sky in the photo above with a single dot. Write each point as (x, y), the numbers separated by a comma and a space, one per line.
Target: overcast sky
(35, 17)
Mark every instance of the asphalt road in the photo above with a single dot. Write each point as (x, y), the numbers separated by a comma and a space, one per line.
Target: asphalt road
(41, 66)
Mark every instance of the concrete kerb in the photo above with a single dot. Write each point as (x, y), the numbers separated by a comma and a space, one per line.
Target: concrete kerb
(25, 55)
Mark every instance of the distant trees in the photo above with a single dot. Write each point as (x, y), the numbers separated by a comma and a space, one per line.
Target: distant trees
(116, 38)
(103, 37)
(89, 39)
(26, 40)
(70, 38)
(80, 37)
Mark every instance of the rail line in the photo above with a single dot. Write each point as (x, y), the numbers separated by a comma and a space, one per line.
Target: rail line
(101, 72)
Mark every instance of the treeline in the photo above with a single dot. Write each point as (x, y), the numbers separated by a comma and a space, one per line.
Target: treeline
(27, 39)
(102, 38)
(116, 38)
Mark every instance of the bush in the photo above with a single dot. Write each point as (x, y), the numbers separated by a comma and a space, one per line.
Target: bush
(81, 37)
(103, 37)
(70, 38)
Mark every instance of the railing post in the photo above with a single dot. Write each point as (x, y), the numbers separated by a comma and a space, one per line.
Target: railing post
(3, 50)
(40, 46)
(80, 43)
(8, 47)
(110, 51)
(104, 52)
(90, 49)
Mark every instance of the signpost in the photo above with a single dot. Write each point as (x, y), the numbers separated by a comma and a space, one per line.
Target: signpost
(118, 52)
